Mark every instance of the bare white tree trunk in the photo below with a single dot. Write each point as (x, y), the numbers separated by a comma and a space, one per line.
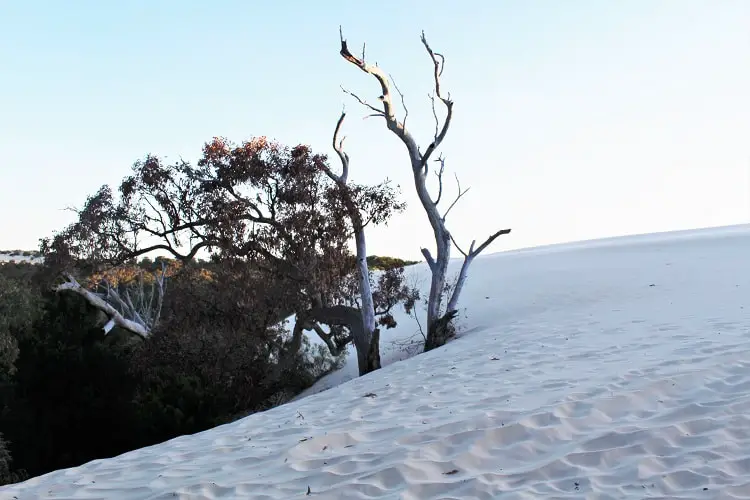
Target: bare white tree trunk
(437, 320)
(134, 325)
(139, 317)
(365, 290)
(365, 340)
(468, 259)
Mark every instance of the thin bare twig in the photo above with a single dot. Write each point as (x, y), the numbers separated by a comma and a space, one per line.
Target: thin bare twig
(387, 112)
(98, 302)
(377, 112)
(455, 244)
(434, 115)
(472, 253)
(338, 146)
(438, 62)
(488, 241)
(461, 193)
(439, 174)
(403, 100)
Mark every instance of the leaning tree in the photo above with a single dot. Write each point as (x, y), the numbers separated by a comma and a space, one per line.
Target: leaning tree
(439, 318)
(370, 304)
(269, 206)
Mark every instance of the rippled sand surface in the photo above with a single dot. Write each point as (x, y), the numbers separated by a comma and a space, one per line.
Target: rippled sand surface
(612, 369)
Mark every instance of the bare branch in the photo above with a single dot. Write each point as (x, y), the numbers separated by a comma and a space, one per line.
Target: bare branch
(474, 252)
(438, 62)
(468, 258)
(437, 319)
(377, 112)
(348, 55)
(73, 286)
(460, 195)
(385, 97)
(434, 115)
(487, 242)
(459, 248)
(338, 146)
(403, 100)
(336, 348)
(439, 174)
(428, 258)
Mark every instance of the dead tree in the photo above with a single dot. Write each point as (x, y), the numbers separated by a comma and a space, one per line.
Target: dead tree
(138, 316)
(438, 318)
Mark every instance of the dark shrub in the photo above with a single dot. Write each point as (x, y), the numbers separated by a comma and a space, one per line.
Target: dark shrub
(72, 393)
(7, 475)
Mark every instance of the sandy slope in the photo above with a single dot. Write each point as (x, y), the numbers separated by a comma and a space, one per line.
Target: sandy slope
(615, 369)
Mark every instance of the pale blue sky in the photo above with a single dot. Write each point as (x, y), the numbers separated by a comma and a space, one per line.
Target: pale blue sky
(574, 119)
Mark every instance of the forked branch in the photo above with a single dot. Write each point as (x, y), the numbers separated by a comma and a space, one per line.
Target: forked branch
(437, 317)
(438, 62)
(439, 174)
(381, 77)
(468, 259)
(399, 128)
(98, 302)
(461, 193)
(376, 111)
(474, 252)
(338, 146)
(139, 316)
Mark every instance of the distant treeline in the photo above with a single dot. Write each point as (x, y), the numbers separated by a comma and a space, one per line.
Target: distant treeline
(71, 393)
(21, 253)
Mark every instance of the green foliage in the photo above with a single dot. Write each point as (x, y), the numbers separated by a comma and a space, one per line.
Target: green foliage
(378, 263)
(312, 362)
(70, 398)
(7, 475)
(268, 218)
(78, 395)
(318, 361)
(18, 309)
(22, 271)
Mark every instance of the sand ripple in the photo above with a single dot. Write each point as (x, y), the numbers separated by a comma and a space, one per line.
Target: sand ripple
(616, 394)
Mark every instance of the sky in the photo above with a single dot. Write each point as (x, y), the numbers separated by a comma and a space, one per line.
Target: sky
(573, 120)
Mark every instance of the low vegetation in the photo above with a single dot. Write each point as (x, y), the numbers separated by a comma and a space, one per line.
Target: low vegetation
(182, 297)
(70, 393)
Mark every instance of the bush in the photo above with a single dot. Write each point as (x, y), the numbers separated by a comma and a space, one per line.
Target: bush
(70, 400)
(378, 263)
(217, 354)
(7, 475)
(78, 395)
(19, 306)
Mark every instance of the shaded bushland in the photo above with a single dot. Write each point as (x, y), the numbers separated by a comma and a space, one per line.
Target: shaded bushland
(73, 394)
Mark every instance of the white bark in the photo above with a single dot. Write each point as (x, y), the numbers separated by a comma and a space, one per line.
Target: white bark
(71, 285)
(419, 167)
(139, 317)
(363, 339)
(365, 291)
(108, 326)
(419, 164)
(464, 273)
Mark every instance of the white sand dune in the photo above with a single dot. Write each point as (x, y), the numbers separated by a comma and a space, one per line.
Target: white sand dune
(603, 370)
